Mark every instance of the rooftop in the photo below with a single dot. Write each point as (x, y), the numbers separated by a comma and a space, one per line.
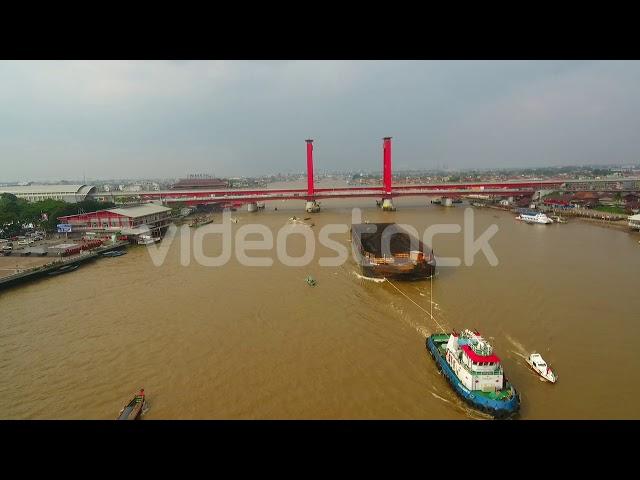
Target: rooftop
(79, 189)
(139, 210)
(132, 212)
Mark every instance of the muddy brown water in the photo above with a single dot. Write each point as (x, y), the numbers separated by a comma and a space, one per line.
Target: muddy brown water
(238, 342)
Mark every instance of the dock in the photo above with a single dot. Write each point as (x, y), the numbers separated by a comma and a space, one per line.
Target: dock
(38, 272)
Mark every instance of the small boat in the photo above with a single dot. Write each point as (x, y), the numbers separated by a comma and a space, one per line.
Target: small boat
(537, 363)
(475, 373)
(114, 253)
(311, 281)
(558, 219)
(197, 223)
(65, 269)
(133, 409)
(531, 216)
(148, 240)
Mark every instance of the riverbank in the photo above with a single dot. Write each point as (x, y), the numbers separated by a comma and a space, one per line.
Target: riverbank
(31, 268)
(616, 222)
(622, 225)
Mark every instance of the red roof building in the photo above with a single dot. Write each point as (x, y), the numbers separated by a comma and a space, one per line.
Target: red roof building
(135, 220)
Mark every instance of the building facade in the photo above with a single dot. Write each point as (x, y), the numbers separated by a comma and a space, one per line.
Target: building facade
(133, 221)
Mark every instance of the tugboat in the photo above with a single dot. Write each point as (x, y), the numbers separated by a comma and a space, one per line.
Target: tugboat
(474, 372)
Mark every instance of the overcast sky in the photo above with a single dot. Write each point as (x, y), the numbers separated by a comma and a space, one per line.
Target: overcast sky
(112, 119)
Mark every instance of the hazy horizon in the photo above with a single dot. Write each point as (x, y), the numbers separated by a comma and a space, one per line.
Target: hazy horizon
(167, 119)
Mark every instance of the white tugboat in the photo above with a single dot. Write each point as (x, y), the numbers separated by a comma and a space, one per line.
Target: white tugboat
(537, 363)
(531, 216)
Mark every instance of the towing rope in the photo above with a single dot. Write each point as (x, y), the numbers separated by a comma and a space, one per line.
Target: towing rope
(424, 310)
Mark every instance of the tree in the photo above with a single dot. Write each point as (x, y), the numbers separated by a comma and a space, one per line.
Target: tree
(15, 212)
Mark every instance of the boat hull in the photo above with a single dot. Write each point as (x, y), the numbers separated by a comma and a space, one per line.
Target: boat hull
(407, 258)
(132, 410)
(410, 272)
(495, 408)
(550, 377)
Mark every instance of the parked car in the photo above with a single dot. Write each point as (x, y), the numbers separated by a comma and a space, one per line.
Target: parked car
(26, 241)
(7, 248)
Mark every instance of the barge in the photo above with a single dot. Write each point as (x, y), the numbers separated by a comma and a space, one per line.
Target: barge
(474, 372)
(387, 250)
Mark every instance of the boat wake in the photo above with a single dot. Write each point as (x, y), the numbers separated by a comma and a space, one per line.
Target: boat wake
(362, 277)
(440, 398)
(459, 405)
(520, 349)
(423, 330)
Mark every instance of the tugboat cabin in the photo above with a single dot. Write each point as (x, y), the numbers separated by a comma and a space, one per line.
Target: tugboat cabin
(472, 359)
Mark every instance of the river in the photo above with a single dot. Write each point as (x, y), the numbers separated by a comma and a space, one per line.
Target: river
(241, 342)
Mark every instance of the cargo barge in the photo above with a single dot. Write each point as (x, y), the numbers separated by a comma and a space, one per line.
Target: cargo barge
(387, 250)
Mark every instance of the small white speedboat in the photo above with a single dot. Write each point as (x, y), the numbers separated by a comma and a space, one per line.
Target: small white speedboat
(537, 363)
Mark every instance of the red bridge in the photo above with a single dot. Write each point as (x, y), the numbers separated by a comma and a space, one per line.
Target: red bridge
(384, 192)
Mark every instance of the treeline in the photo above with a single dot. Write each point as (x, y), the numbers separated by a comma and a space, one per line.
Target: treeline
(16, 212)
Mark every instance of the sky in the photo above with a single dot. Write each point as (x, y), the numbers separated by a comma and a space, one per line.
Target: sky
(167, 119)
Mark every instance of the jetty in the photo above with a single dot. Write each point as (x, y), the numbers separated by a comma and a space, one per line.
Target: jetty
(44, 270)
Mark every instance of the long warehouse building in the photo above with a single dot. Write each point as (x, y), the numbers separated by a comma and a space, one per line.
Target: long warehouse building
(35, 193)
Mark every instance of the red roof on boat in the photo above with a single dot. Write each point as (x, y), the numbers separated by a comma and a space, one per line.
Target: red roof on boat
(479, 358)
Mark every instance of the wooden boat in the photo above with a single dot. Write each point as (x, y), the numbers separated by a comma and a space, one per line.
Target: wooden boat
(114, 253)
(133, 409)
(65, 269)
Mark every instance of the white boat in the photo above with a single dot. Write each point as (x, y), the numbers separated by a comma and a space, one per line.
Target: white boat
(531, 216)
(558, 219)
(537, 363)
(148, 240)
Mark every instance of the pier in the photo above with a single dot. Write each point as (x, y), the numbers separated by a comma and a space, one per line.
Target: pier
(40, 271)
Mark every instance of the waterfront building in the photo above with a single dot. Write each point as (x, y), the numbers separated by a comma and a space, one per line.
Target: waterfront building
(35, 193)
(133, 221)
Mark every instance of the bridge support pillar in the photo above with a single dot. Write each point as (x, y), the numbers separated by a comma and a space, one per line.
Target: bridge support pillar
(252, 207)
(387, 205)
(312, 206)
